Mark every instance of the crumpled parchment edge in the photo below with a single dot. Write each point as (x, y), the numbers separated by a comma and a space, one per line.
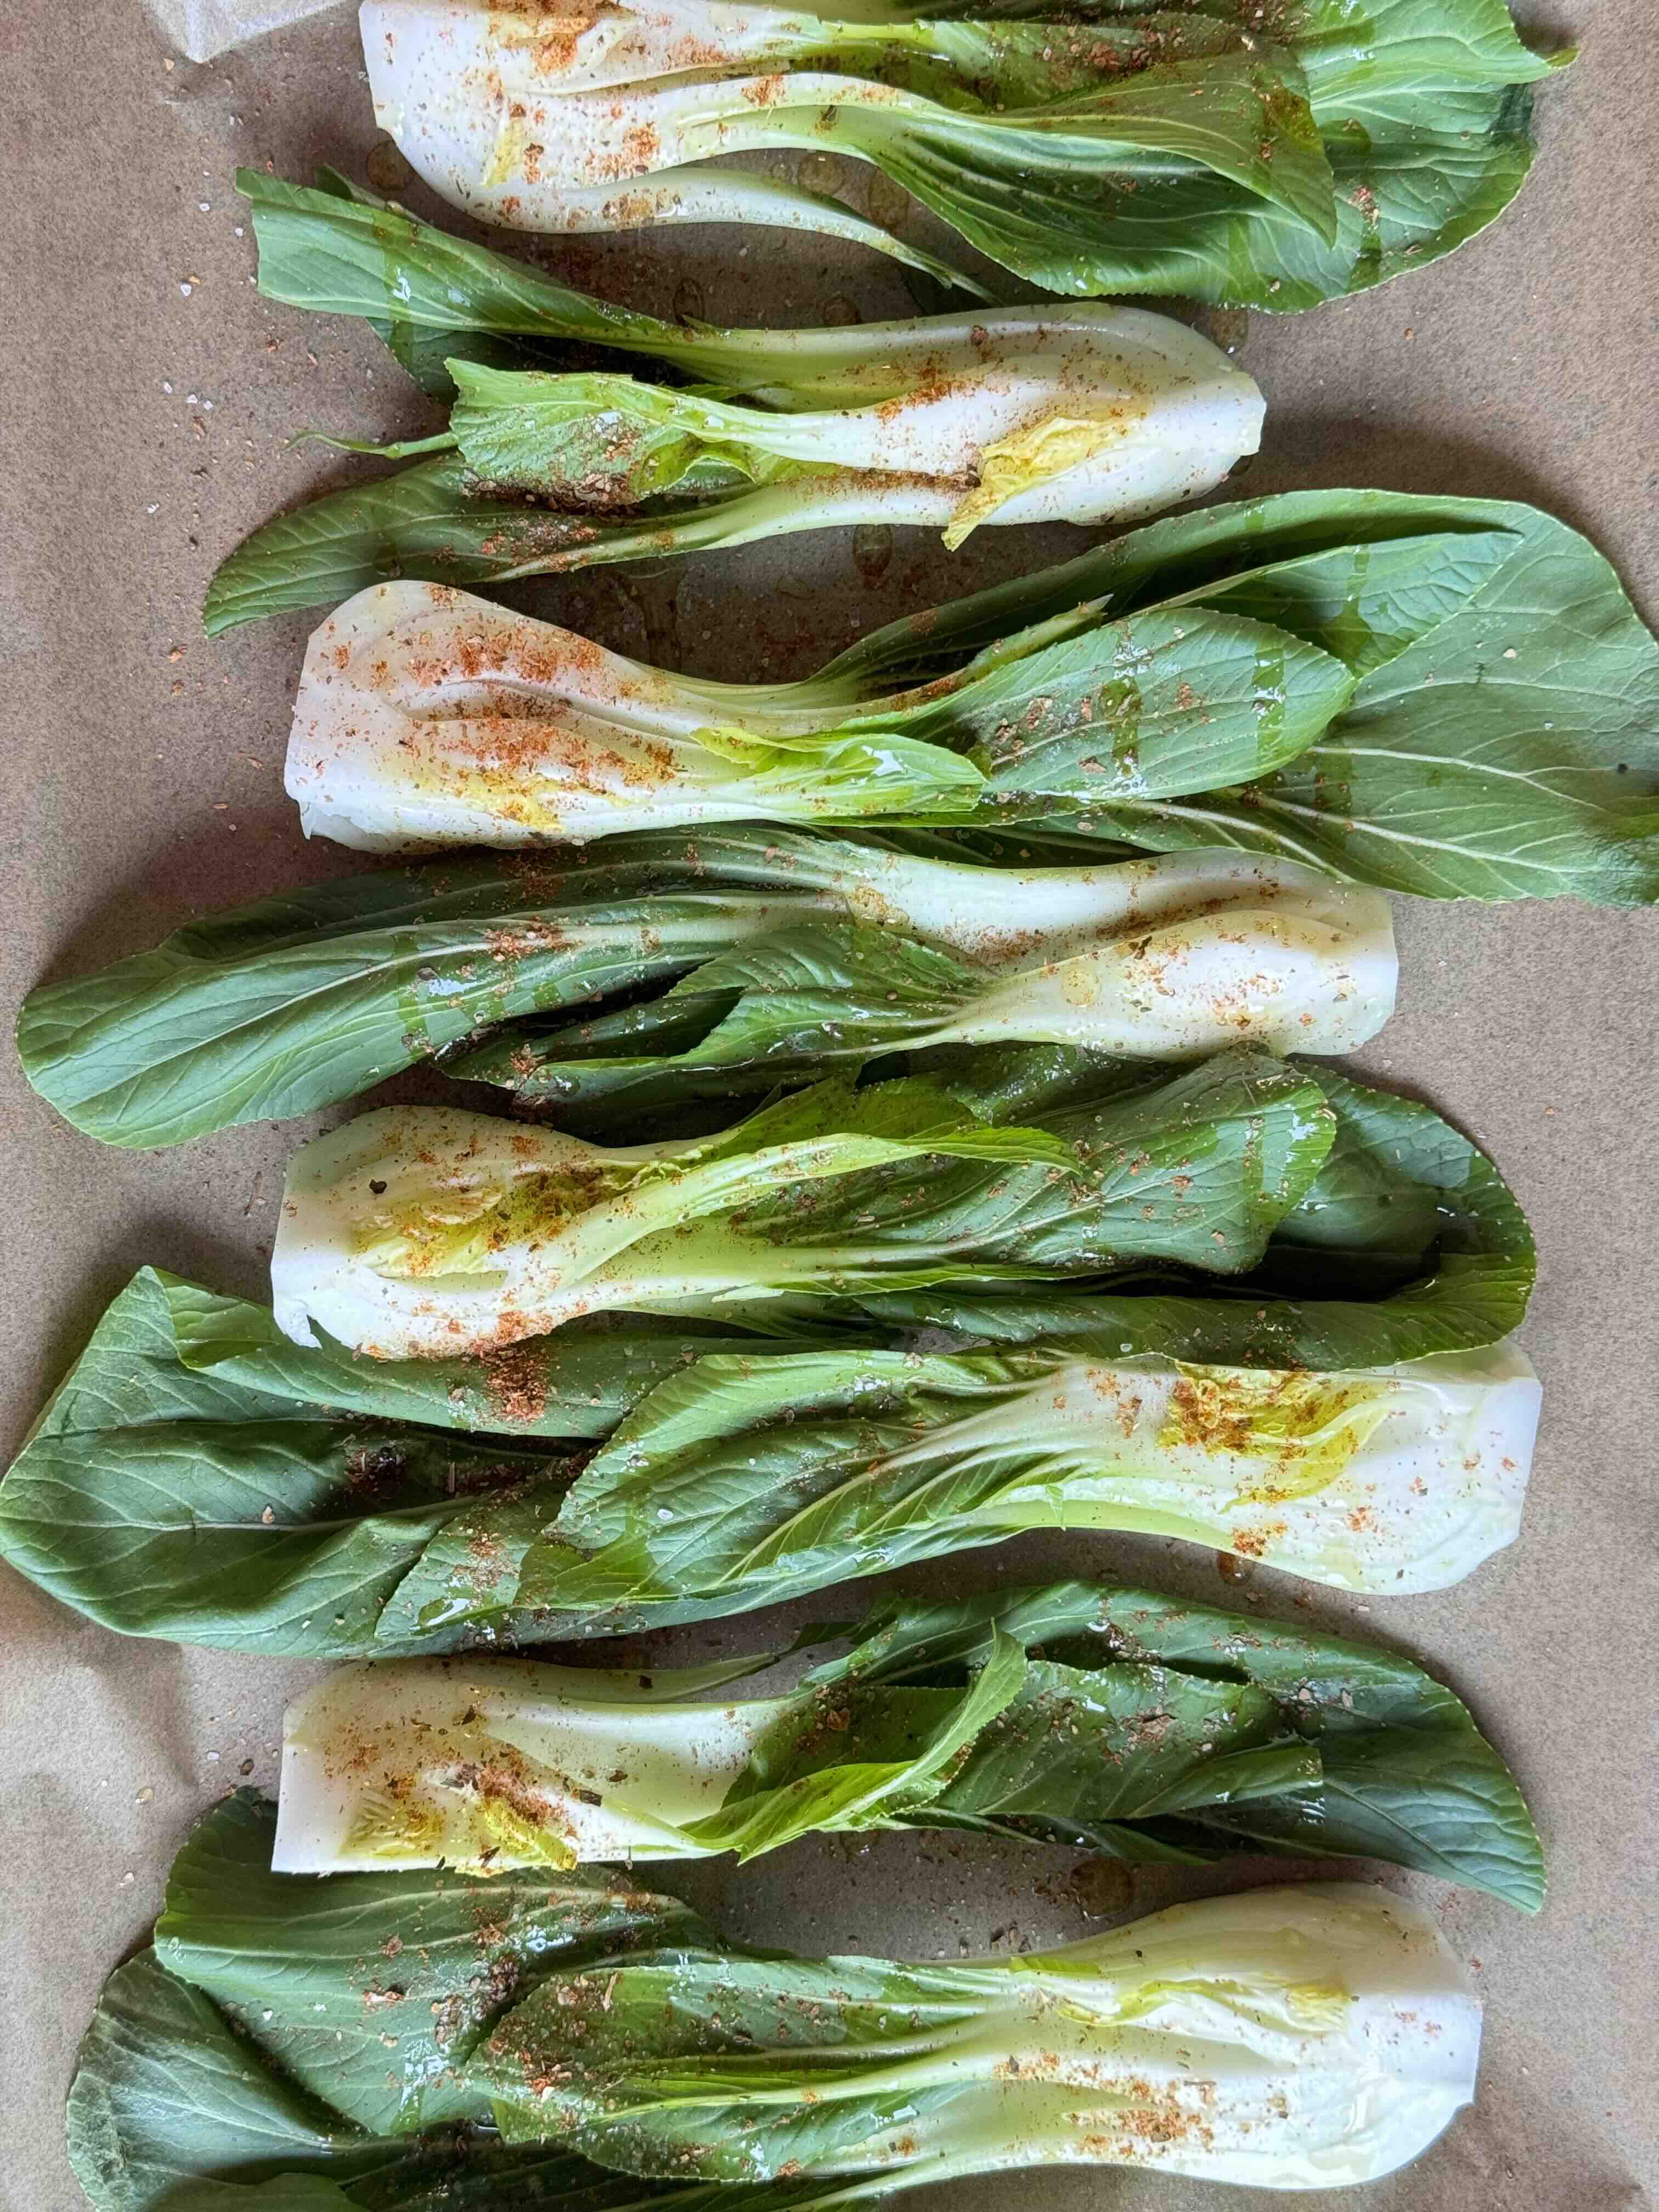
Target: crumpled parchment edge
(200, 30)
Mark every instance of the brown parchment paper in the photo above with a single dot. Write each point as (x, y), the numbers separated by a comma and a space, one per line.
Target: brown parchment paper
(148, 395)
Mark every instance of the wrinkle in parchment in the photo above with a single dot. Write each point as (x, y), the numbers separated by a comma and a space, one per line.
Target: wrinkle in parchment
(199, 29)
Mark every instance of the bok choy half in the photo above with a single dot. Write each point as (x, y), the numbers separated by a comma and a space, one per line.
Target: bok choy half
(768, 955)
(1349, 1409)
(427, 717)
(1015, 414)
(429, 1231)
(1448, 697)
(1271, 156)
(440, 2038)
(1293, 2037)
(1109, 1719)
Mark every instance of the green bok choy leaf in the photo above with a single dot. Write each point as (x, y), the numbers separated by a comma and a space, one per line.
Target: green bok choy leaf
(1502, 741)
(196, 2090)
(199, 1477)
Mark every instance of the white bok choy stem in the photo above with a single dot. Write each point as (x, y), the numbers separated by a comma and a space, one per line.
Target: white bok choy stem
(422, 1232)
(427, 717)
(453, 84)
(399, 1764)
(566, 122)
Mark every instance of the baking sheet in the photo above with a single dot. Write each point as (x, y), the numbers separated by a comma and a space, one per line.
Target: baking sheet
(150, 395)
